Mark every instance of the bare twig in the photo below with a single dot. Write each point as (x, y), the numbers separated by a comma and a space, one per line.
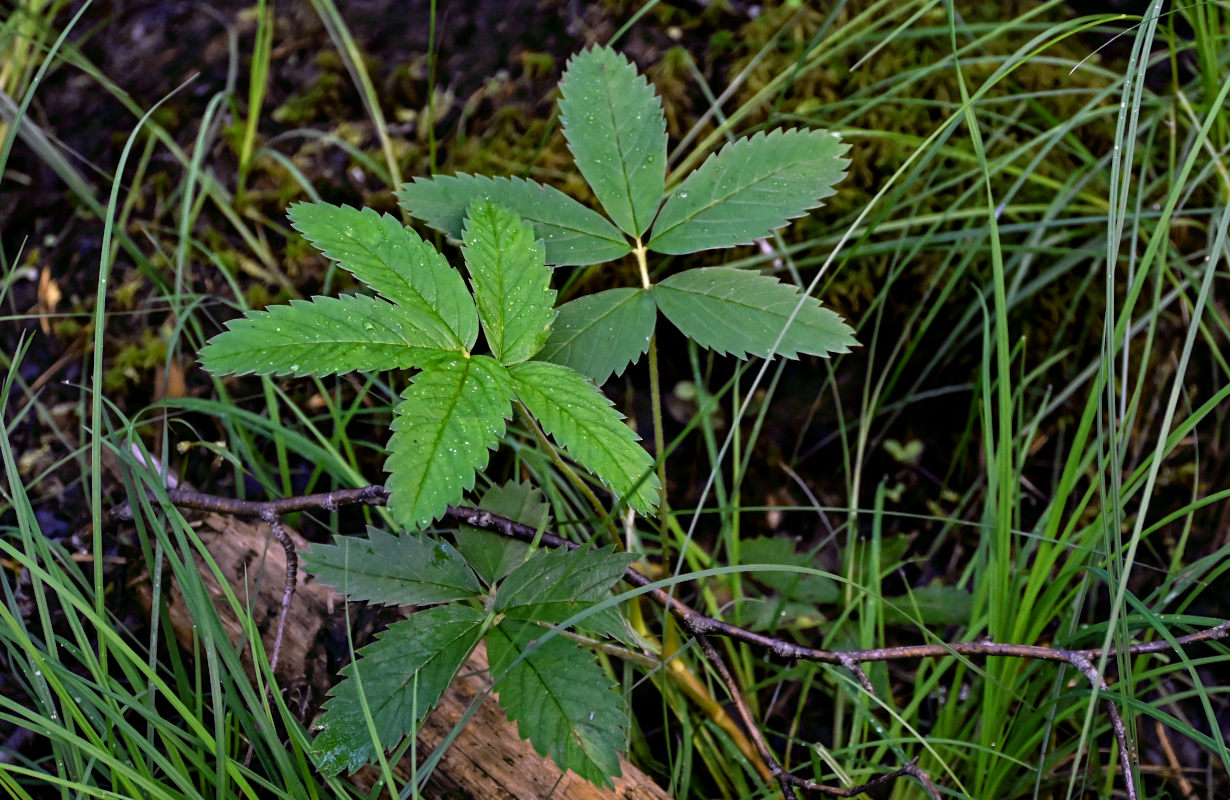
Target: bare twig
(701, 626)
(745, 714)
(292, 575)
(911, 769)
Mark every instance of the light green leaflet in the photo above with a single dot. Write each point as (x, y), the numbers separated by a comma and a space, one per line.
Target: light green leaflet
(601, 333)
(395, 262)
(582, 420)
(322, 337)
(727, 310)
(617, 133)
(572, 234)
(741, 312)
(751, 187)
(512, 285)
(447, 422)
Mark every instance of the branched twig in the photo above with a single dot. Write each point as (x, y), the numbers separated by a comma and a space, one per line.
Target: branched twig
(911, 769)
(745, 714)
(271, 512)
(701, 627)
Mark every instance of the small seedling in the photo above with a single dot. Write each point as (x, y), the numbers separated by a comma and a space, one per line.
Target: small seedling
(547, 363)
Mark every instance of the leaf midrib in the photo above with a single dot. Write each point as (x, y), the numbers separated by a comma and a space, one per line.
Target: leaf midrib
(433, 312)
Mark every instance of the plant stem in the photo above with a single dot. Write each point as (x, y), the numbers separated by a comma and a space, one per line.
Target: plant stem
(655, 399)
(642, 263)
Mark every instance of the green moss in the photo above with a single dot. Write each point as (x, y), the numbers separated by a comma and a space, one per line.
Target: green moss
(67, 329)
(126, 295)
(134, 359)
(258, 296)
(537, 66)
(324, 99)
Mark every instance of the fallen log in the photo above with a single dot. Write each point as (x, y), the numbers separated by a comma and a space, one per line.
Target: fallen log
(487, 760)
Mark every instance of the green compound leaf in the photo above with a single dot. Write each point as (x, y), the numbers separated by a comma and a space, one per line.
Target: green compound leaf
(512, 284)
(573, 234)
(600, 334)
(406, 569)
(449, 418)
(615, 128)
(583, 421)
(739, 312)
(321, 337)
(560, 699)
(751, 187)
(555, 584)
(493, 556)
(395, 262)
(403, 675)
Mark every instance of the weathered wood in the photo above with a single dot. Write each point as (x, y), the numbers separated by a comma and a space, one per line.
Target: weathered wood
(488, 759)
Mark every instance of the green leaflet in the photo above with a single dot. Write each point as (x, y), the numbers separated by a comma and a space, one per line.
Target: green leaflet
(740, 312)
(600, 334)
(406, 569)
(395, 262)
(749, 188)
(573, 234)
(512, 285)
(403, 675)
(552, 585)
(321, 337)
(615, 127)
(583, 421)
(447, 421)
(493, 556)
(560, 699)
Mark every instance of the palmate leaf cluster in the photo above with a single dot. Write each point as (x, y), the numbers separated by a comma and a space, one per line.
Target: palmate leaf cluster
(453, 412)
(488, 589)
(616, 131)
(548, 361)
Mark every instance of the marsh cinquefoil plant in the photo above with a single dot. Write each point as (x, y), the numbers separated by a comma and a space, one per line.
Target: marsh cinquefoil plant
(548, 363)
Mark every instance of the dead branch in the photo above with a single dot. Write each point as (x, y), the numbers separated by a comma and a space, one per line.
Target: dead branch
(701, 626)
